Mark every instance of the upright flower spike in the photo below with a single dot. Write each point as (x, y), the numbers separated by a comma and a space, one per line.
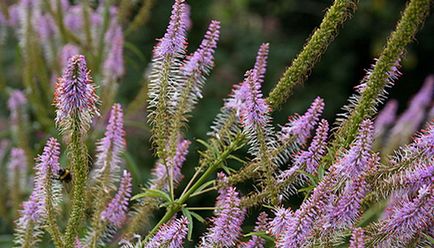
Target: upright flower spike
(116, 211)
(355, 161)
(261, 226)
(28, 230)
(110, 148)
(357, 238)
(17, 100)
(229, 216)
(174, 41)
(408, 218)
(199, 64)
(279, 224)
(75, 98)
(301, 127)
(159, 173)
(165, 79)
(425, 140)
(311, 158)
(386, 117)
(17, 174)
(114, 62)
(410, 121)
(170, 235)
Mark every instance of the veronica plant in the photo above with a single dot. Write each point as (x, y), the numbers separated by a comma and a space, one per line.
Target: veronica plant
(367, 182)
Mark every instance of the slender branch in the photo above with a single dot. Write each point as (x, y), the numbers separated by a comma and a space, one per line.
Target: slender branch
(298, 72)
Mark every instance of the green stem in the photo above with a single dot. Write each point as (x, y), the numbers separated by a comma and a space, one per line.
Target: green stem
(411, 20)
(298, 72)
(52, 226)
(79, 164)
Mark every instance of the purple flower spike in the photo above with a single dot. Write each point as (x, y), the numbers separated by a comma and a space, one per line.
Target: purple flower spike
(47, 166)
(228, 216)
(110, 148)
(261, 64)
(301, 127)
(261, 226)
(317, 148)
(17, 167)
(386, 117)
(356, 160)
(279, 224)
(159, 173)
(203, 59)
(412, 118)
(16, 101)
(409, 218)
(68, 51)
(347, 208)
(170, 235)
(75, 97)
(174, 41)
(357, 238)
(425, 141)
(114, 63)
(46, 28)
(116, 211)
(31, 212)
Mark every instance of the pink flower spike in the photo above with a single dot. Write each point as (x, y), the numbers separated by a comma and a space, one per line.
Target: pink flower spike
(116, 211)
(174, 40)
(170, 235)
(357, 238)
(75, 97)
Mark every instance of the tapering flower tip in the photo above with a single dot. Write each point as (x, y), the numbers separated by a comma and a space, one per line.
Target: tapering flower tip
(31, 212)
(255, 109)
(261, 226)
(16, 100)
(75, 97)
(186, 16)
(116, 211)
(203, 59)
(49, 159)
(279, 224)
(316, 150)
(261, 63)
(111, 146)
(229, 217)
(386, 117)
(357, 238)
(410, 217)
(67, 52)
(171, 234)
(346, 210)
(356, 160)
(302, 126)
(159, 173)
(174, 40)
(114, 63)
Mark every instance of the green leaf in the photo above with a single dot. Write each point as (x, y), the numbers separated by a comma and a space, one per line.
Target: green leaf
(187, 214)
(203, 186)
(198, 217)
(260, 234)
(154, 193)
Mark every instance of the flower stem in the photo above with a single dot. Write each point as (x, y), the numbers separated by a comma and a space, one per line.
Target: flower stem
(298, 72)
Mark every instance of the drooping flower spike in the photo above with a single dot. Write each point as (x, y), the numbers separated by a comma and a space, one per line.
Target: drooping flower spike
(75, 98)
